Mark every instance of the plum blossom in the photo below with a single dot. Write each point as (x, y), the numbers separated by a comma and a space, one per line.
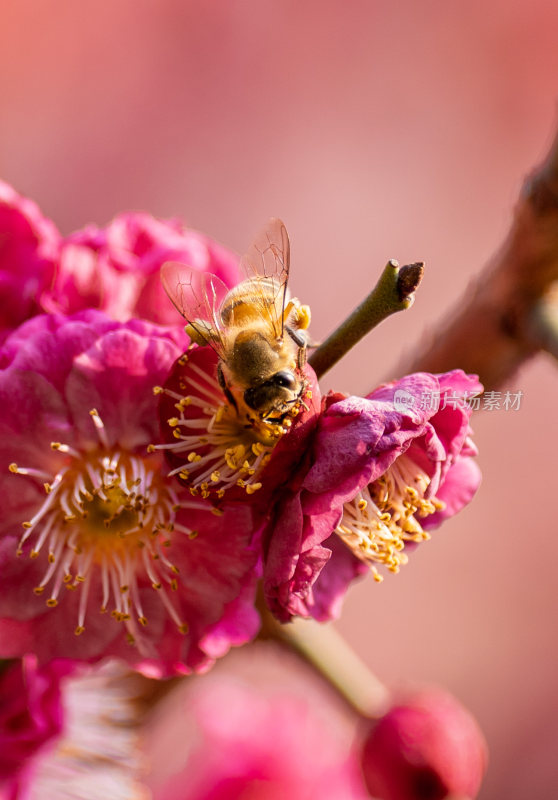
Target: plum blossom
(102, 554)
(242, 742)
(214, 449)
(377, 478)
(29, 251)
(117, 268)
(426, 746)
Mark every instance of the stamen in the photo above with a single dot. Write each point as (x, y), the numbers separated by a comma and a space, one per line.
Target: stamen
(101, 431)
(214, 444)
(382, 518)
(108, 511)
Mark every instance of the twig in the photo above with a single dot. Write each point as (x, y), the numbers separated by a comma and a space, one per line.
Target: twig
(330, 655)
(393, 292)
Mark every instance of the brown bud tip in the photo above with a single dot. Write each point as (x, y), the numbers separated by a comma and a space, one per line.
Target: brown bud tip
(409, 278)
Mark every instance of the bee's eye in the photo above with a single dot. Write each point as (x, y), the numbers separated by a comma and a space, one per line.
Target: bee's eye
(285, 379)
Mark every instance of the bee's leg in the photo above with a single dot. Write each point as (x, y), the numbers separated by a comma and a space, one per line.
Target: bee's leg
(301, 339)
(223, 384)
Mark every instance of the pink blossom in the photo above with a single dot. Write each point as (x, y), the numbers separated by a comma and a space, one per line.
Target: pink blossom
(427, 745)
(117, 268)
(97, 753)
(211, 448)
(103, 529)
(29, 247)
(239, 743)
(30, 713)
(379, 474)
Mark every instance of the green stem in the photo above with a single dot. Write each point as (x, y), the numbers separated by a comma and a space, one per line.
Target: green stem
(393, 292)
(330, 655)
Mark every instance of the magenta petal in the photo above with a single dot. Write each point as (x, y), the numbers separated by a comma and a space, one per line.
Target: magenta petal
(29, 246)
(328, 593)
(30, 711)
(117, 268)
(458, 489)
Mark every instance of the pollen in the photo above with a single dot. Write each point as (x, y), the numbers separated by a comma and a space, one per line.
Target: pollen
(213, 447)
(385, 516)
(102, 529)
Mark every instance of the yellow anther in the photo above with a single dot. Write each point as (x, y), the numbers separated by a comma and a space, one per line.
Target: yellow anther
(174, 585)
(184, 628)
(173, 422)
(158, 390)
(13, 467)
(26, 525)
(215, 476)
(217, 512)
(38, 589)
(52, 602)
(193, 534)
(252, 487)
(142, 621)
(79, 630)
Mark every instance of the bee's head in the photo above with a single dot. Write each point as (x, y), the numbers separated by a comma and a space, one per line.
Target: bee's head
(275, 393)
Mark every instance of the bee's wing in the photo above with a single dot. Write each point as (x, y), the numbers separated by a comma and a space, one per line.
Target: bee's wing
(198, 297)
(267, 264)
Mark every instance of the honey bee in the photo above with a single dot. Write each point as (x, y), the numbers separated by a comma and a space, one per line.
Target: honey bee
(257, 330)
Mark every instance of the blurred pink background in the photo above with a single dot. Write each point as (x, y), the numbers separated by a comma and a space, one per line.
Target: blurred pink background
(375, 130)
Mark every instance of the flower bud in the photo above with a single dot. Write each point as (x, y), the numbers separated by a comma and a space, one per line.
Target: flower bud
(426, 747)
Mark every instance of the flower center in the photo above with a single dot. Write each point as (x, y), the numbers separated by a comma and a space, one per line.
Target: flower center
(106, 513)
(214, 446)
(383, 517)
